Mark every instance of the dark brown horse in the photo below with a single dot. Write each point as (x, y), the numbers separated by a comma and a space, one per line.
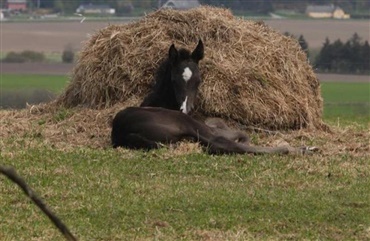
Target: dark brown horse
(162, 116)
(177, 80)
(147, 127)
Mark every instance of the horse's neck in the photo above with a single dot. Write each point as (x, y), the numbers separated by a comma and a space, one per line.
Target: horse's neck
(164, 87)
(163, 94)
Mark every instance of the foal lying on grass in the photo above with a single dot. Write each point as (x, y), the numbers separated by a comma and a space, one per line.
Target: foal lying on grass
(147, 127)
(162, 116)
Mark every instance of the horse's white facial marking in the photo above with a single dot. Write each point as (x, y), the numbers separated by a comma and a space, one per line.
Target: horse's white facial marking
(186, 75)
(183, 106)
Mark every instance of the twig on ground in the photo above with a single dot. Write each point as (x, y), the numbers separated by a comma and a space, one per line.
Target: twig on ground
(10, 173)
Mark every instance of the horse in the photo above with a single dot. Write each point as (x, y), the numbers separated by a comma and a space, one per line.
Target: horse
(177, 80)
(149, 127)
(162, 116)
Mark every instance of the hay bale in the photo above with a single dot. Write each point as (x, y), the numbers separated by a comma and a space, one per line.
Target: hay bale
(252, 74)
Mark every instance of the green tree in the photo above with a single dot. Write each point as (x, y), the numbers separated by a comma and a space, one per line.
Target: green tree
(304, 44)
(354, 55)
(123, 7)
(365, 58)
(58, 6)
(323, 59)
(339, 62)
(144, 4)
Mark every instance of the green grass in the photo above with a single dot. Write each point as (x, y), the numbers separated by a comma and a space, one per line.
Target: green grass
(346, 92)
(346, 101)
(54, 83)
(17, 90)
(112, 195)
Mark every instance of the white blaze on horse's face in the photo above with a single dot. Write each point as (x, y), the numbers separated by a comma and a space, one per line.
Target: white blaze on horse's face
(186, 75)
(184, 105)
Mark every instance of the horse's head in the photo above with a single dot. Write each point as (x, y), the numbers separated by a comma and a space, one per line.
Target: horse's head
(185, 75)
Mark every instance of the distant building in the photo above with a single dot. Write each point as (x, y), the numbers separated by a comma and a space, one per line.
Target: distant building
(326, 11)
(181, 4)
(19, 5)
(95, 9)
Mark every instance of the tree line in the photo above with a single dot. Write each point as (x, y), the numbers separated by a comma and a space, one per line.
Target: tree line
(352, 56)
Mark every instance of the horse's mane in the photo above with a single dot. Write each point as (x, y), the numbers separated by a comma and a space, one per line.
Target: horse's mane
(184, 54)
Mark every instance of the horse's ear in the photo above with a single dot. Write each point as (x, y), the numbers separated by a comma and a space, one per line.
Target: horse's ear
(173, 54)
(198, 52)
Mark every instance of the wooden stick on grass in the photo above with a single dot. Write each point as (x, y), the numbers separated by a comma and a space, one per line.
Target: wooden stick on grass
(12, 175)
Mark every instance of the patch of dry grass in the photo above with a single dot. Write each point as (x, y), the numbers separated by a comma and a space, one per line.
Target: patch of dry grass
(66, 129)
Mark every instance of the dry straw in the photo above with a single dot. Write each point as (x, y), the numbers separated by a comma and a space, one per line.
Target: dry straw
(252, 74)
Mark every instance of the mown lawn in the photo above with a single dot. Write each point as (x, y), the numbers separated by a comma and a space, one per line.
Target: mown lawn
(346, 102)
(12, 82)
(105, 194)
(127, 195)
(16, 90)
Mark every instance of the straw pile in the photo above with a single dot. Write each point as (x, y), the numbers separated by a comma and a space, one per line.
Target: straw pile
(251, 73)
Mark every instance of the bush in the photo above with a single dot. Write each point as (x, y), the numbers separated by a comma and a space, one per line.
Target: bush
(13, 57)
(32, 56)
(25, 56)
(68, 55)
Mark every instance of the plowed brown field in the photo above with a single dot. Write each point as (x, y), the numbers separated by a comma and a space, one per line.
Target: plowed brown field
(54, 36)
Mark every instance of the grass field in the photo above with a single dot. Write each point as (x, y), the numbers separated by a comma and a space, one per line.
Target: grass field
(341, 100)
(171, 194)
(347, 101)
(55, 83)
(17, 90)
(126, 195)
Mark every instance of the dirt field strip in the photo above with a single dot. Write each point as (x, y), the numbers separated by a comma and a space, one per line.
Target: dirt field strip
(315, 31)
(53, 37)
(343, 78)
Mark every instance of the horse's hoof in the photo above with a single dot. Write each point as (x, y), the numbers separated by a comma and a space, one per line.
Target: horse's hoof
(309, 149)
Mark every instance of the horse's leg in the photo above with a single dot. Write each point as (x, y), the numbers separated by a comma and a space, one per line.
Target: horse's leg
(221, 129)
(224, 141)
(217, 123)
(305, 150)
(136, 141)
(222, 145)
(236, 136)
